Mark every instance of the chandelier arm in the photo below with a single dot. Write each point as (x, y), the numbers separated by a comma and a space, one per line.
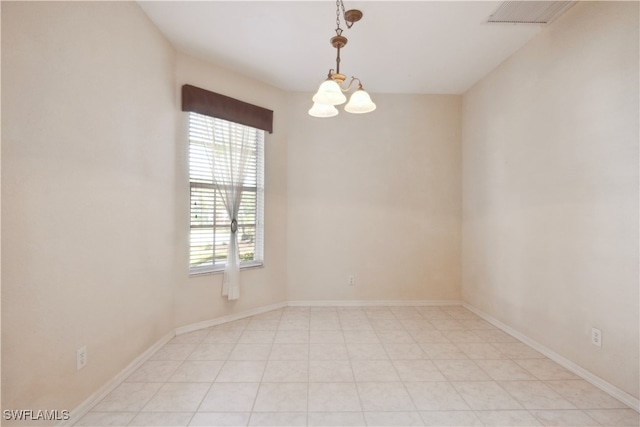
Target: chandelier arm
(348, 88)
(330, 92)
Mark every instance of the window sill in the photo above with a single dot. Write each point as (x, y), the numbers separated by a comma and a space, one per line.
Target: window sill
(219, 269)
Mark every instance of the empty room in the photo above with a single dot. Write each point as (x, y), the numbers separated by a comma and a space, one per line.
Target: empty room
(318, 213)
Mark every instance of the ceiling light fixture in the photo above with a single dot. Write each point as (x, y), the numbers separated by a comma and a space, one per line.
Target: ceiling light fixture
(330, 93)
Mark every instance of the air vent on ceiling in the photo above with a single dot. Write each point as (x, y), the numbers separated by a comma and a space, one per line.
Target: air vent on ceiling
(529, 12)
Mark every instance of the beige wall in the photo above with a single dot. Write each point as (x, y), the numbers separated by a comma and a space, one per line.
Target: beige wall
(88, 171)
(199, 298)
(376, 196)
(96, 197)
(550, 190)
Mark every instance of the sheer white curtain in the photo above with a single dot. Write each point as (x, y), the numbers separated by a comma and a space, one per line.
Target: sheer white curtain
(228, 156)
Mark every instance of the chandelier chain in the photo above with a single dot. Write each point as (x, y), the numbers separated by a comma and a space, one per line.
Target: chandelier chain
(338, 29)
(330, 92)
(344, 15)
(340, 5)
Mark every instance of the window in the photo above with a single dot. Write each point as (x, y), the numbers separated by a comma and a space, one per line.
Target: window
(211, 143)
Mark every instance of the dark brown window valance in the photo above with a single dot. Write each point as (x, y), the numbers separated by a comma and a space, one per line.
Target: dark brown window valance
(213, 104)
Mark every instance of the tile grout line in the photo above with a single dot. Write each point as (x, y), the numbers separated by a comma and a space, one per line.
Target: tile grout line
(355, 382)
(210, 385)
(309, 368)
(377, 332)
(404, 386)
(266, 363)
(224, 362)
(163, 383)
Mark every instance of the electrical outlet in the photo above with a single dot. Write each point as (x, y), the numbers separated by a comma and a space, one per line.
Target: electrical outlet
(351, 280)
(81, 357)
(596, 337)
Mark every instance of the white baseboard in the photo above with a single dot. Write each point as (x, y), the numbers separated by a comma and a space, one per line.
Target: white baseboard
(331, 303)
(86, 406)
(372, 303)
(82, 409)
(230, 318)
(603, 385)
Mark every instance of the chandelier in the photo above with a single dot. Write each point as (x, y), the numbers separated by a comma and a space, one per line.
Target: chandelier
(330, 93)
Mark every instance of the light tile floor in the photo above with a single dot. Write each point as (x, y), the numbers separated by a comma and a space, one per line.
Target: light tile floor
(370, 366)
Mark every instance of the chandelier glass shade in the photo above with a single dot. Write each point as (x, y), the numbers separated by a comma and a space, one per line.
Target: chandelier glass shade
(323, 110)
(360, 102)
(331, 91)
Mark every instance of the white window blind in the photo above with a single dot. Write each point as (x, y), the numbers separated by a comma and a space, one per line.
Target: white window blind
(209, 139)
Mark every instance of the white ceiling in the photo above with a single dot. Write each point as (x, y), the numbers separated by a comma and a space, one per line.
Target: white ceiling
(397, 47)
